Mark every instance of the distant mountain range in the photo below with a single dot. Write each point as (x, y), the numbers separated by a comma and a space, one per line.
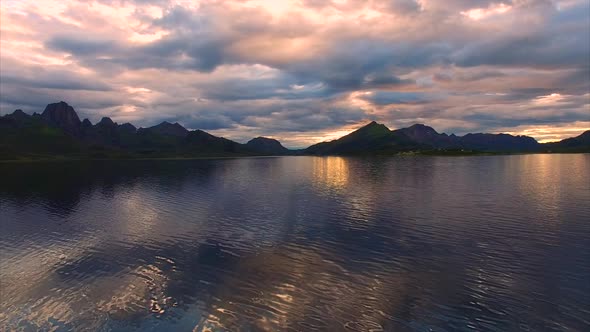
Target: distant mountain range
(58, 132)
(376, 138)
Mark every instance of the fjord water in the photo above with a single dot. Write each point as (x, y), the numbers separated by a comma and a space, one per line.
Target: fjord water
(491, 243)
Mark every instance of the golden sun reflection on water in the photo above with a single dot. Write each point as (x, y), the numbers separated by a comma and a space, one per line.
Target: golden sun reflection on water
(331, 171)
(537, 181)
(333, 175)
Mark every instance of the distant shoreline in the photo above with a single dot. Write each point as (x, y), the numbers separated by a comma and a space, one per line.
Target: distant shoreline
(128, 159)
(482, 154)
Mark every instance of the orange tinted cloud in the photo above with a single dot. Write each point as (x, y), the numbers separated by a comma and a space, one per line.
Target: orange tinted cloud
(303, 71)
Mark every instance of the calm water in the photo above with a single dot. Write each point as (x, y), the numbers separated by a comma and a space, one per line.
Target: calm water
(497, 243)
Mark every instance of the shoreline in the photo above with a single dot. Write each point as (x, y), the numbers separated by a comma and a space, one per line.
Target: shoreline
(403, 154)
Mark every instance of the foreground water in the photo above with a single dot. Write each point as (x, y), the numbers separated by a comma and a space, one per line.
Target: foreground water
(497, 243)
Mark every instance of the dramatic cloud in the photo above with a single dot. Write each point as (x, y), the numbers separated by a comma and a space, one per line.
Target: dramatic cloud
(304, 71)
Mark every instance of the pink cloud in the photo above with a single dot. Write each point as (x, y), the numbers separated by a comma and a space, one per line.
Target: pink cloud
(301, 70)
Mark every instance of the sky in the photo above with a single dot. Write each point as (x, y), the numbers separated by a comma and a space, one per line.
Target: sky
(304, 71)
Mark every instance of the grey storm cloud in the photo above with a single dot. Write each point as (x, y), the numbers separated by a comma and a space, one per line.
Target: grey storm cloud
(319, 66)
(346, 62)
(79, 46)
(171, 53)
(246, 89)
(52, 82)
(386, 98)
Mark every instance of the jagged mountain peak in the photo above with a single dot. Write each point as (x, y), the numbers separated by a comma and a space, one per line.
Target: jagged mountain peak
(106, 121)
(373, 128)
(18, 115)
(373, 124)
(169, 129)
(168, 124)
(63, 116)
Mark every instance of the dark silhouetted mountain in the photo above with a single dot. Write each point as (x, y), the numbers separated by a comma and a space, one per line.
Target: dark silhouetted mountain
(377, 139)
(106, 122)
(267, 146)
(105, 132)
(15, 119)
(63, 116)
(420, 133)
(167, 129)
(498, 143)
(106, 128)
(165, 137)
(372, 138)
(127, 128)
(198, 141)
(58, 132)
(86, 124)
(23, 135)
(574, 144)
(477, 142)
(425, 135)
(19, 119)
(18, 115)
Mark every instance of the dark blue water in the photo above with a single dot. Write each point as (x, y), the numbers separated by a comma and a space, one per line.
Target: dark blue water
(498, 243)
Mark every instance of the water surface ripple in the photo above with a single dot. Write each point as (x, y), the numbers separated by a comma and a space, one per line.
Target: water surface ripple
(498, 243)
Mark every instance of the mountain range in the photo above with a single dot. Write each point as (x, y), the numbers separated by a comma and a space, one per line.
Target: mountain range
(376, 138)
(59, 132)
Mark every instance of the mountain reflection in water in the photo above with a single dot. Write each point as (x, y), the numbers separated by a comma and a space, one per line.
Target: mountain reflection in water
(297, 243)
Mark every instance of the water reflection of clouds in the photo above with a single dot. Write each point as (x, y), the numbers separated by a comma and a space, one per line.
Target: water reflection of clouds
(339, 244)
(28, 275)
(306, 291)
(137, 216)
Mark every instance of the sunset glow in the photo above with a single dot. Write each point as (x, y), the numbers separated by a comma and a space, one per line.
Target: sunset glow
(480, 13)
(304, 71)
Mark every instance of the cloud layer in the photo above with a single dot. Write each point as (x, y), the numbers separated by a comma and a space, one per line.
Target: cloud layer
(307, 70)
